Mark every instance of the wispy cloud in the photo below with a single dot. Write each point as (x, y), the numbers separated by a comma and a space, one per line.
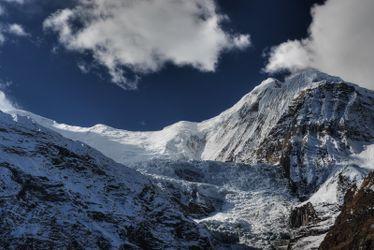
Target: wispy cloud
(340, 42)
(5, 104)
(142, 36)
(13, 29)
(17, 30)
(14, 1)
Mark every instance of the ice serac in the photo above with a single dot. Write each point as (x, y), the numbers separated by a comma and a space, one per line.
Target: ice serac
(241, 205)
(57, 193)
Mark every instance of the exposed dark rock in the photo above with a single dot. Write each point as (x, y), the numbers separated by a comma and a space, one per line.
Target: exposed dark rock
(64, 158)
(188, 175)
(198, 209)
(354, 227)
(193, 204)
(302, 216)
(99, 216)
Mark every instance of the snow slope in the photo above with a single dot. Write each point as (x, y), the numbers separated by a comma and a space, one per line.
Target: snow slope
(60, 194)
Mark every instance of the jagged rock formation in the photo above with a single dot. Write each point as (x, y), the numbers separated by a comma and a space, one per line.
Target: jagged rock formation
(354, 227)
(327, 202)
(302, 216)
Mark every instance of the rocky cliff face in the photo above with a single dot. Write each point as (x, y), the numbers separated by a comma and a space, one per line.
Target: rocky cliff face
(354, 227)
(303, 215)
(323, 126)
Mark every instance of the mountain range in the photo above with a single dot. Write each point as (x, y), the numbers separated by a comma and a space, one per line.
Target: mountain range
(287, 167)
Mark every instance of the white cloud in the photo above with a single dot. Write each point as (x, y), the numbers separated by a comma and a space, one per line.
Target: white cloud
(366, 157)
(340, 42)
(144, 35)
(83, 67)
(5, 104)
(12, 29)
(14, 1)
(2, 38)
(17, 30)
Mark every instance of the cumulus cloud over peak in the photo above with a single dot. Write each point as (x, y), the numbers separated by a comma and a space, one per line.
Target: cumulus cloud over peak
(144, 35)
(340, 42)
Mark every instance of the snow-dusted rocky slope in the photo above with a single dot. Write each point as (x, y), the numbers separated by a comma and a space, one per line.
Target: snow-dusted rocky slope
(296, 147)
(353, 228)
(59, 194)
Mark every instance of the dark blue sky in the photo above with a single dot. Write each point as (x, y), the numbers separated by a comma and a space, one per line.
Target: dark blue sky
(51, 85)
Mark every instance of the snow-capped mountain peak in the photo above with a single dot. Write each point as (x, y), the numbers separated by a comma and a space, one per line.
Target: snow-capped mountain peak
(231, 136)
